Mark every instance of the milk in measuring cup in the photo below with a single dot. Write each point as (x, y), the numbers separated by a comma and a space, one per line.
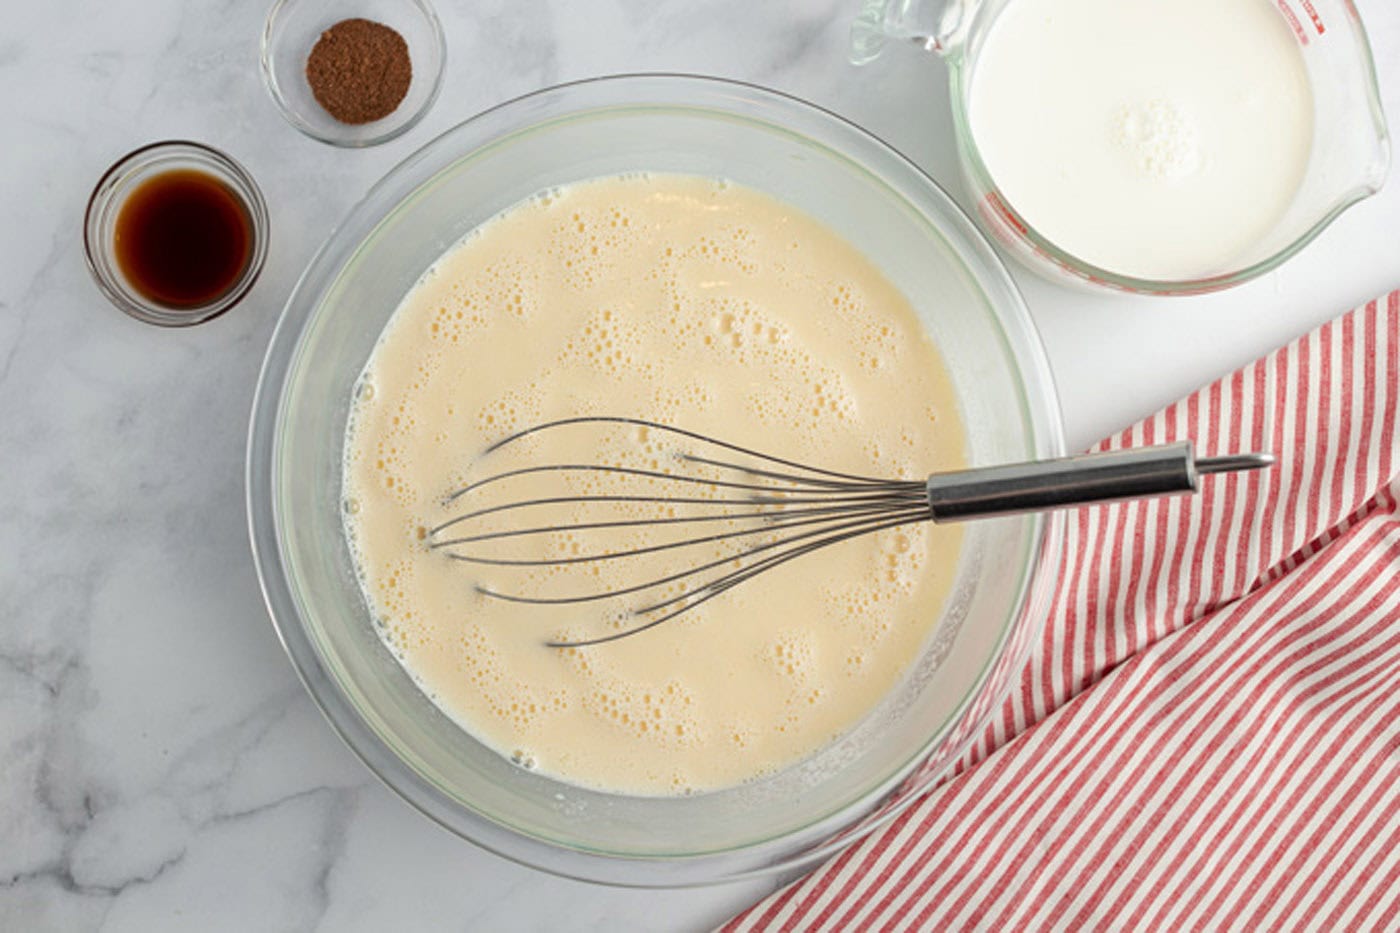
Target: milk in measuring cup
(1156, 139)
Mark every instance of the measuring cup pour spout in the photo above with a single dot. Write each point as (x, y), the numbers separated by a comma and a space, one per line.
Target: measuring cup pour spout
(936, 25)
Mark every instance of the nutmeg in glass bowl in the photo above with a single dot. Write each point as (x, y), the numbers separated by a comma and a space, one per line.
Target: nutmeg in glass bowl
(319, 41)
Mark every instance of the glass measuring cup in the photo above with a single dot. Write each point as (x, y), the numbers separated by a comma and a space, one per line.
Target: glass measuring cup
(1350, 152)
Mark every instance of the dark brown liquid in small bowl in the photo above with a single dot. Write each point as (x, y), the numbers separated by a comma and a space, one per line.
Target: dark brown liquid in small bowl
(183, 238)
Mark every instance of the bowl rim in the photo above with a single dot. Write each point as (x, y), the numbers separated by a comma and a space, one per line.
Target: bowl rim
(1042, 414)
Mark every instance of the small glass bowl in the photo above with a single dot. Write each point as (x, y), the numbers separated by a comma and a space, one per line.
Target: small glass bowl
(119, 181)
(292, 28)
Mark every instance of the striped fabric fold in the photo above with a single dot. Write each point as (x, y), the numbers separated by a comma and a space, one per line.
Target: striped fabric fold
(1207, 736)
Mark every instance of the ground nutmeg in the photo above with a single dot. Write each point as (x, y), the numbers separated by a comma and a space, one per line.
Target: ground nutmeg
(359, 70)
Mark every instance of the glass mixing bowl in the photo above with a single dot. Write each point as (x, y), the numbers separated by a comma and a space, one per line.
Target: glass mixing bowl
(807, 157)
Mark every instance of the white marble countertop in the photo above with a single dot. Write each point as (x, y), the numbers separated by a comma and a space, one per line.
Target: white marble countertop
(160, 766)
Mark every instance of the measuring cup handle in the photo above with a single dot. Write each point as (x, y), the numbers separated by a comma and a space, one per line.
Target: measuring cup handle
(936, 25)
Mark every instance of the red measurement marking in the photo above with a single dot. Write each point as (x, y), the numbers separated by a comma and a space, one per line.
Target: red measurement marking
(1312, 15)
(999, 209)
(1292, 18)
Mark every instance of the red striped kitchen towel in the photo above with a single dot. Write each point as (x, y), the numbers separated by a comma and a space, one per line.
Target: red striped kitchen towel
(1207, 737)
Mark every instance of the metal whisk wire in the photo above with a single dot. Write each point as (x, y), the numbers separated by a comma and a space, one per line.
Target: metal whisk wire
(795, 508)
(831, 507)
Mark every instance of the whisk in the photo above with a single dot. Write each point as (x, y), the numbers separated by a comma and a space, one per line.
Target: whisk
(775, 509)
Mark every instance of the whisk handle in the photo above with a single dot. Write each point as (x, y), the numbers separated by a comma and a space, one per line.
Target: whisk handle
(1072, 481)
